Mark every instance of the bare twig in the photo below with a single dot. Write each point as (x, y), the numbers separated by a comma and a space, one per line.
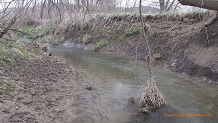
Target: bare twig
(16, 16)
(3, 15)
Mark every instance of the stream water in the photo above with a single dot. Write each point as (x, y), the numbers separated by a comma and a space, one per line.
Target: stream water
(115, 79)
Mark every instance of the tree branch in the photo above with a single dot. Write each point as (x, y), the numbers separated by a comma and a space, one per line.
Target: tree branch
(207, 4)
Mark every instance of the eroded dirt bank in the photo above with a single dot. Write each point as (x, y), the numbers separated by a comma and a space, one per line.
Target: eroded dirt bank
(39, 90)
(183, 43)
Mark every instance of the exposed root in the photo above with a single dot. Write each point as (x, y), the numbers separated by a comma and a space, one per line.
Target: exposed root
(151, 98)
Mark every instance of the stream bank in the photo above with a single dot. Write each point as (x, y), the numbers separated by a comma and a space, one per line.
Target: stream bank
(38, 90)
(182, 43)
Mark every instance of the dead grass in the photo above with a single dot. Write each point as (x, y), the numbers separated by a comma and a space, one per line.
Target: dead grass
(109, 21)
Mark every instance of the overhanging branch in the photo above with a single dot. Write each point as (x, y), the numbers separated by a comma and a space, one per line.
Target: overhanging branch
(207, 4)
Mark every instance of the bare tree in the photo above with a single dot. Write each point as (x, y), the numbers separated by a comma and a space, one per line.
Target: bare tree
(162, 6)
(167, 5)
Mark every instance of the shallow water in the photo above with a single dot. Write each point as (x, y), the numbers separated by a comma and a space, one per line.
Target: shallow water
(25, 39)
(115, 79)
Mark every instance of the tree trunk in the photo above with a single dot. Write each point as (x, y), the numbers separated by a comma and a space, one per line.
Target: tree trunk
(207, 4)
(5, 30)
(162, 7)
(78, 4)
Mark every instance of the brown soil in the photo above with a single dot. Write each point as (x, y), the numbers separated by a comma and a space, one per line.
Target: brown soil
(178, 42)
(43, 90)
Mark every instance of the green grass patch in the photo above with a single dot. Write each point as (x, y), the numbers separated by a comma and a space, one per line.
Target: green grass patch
(6, 40)
(23, 53)
(129, 33)
(4, 64)
(44, 40)
(18, 34)
(100, 44)
(55, 42)
(8, 88)
(38, 52)
(117, 38)
(121, 38)
(32, 31)
(10, 50)
(100, 30)
(157, 47)
(134, 32)
(26, 55)
(5, 87)
(114, 36)
(5, 56)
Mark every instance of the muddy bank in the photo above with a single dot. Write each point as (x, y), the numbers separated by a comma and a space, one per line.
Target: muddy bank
(39, 90)
(183, 43)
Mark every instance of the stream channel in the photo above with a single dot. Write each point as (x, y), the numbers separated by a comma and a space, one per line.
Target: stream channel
(115, 79)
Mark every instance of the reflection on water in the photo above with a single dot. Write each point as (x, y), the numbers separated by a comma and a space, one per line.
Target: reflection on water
(115, 80)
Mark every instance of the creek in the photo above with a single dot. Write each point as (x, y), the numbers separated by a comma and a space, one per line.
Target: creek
(115, 79)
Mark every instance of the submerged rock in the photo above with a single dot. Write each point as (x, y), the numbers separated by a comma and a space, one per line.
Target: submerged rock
(131, 100)
(88, 88)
